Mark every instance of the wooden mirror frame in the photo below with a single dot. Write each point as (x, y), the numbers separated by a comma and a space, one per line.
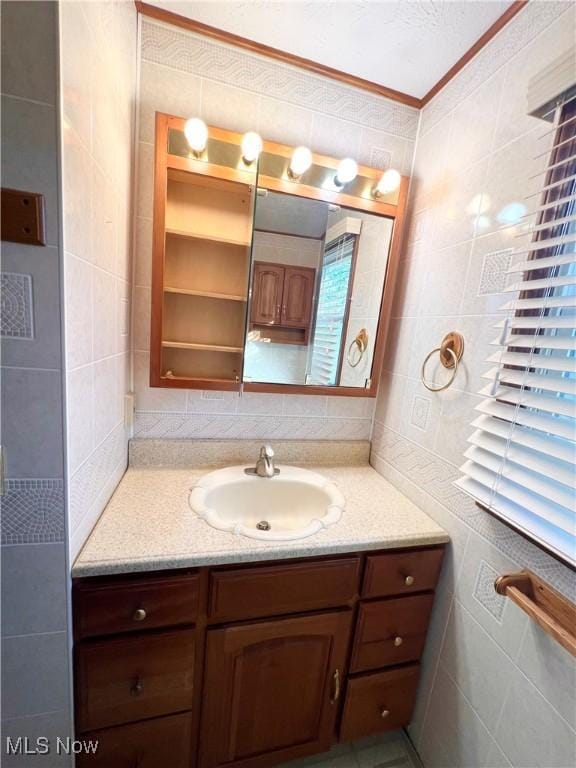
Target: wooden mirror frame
(394, 211)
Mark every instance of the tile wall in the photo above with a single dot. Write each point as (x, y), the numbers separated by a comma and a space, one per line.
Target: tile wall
(495, 691)
(185, 74)
(98, 79)
(35, 674)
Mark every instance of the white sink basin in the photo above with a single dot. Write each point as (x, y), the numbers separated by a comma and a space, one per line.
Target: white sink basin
(292, 505)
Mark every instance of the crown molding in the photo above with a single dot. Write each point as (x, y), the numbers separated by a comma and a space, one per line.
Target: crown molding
(198, 27)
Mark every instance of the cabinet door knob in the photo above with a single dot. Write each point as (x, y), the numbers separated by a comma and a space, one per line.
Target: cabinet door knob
(409, 580)
(385, 713)
(139, 614)
(137, 687)
(398, 641)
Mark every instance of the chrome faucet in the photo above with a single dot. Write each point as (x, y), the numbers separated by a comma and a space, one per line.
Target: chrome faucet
(265, 464)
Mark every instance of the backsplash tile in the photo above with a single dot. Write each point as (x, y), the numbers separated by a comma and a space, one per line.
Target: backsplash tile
(16, 306)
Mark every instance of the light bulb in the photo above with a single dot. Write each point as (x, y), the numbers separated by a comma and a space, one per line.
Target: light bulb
(389, 181)
(251, 147)
(347, 171)
(300, 162)
(196, 132)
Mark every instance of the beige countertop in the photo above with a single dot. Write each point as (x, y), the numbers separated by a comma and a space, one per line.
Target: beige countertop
(148, 524)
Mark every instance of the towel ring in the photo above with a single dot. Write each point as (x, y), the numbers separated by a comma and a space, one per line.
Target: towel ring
(451, 351)
(361, 342)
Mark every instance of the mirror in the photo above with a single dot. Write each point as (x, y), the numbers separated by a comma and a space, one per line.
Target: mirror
(317, 280)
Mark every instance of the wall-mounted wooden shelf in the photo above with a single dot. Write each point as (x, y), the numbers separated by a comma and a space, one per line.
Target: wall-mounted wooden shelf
(212, 238)
(553, 612)
(204, 294)
(204, 347)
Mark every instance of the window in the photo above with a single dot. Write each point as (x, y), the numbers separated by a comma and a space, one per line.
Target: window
(522, 457)
(332, 312)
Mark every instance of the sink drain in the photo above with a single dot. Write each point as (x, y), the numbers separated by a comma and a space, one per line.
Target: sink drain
(263, 525)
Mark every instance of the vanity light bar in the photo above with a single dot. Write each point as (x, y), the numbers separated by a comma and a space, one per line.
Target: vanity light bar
(196, 132)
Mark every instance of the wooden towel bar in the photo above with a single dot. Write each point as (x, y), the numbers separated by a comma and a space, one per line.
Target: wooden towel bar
(553, 612)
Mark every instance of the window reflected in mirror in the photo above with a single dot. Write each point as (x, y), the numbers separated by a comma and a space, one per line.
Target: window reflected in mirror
(318, 273)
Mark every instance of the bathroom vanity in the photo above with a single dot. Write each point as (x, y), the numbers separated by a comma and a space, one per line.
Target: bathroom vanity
(198, 647)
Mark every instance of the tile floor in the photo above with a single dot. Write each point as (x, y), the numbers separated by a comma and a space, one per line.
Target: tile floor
(392, 750)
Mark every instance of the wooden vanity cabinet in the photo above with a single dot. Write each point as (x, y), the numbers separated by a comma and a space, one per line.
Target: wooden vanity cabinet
(282, 299)
(249, 666)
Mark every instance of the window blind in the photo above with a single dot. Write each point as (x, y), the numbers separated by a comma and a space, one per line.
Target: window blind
(331, 311)
(521, 459)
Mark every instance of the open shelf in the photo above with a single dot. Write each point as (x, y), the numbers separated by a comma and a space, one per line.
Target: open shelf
(205, 294)
(214, 238)
(205, 347)
(204, 363)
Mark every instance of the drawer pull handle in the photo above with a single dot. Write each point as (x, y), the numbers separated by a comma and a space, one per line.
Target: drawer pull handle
(139, 614)
(398, 641)
(336, 687)
(385, 713)
(409, 580)
(137, 687)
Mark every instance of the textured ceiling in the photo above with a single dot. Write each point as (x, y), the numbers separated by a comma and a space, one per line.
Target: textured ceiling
(407, 45)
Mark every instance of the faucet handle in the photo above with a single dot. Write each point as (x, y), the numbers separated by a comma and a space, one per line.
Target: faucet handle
(266, 452)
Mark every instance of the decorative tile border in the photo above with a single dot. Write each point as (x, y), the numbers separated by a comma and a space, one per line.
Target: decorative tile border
(16, 304)
(188, 52)
(240, 427)
(494, 275)
(33, 511)
(485, 593)
(436, 476)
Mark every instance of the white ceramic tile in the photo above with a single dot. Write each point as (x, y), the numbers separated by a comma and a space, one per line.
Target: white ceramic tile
(531, 733)
(501, 618)
(105, 314)
(255, 403)
(143, 252)
(384, 150)
(496, 758)
(80, 408)
(168, 90)
(285, 123)
(142, 309)
(52, 726)
(454, 424)
(77, 198)
(145, 192)
(226, 106)
(459, 203)
(477, 665)
(76, 57)
(123, 318)
(304, 405)
(78, 311)
(104, 222)
(350, 407)
(107, 403)
(154, 398)
(551, 668)
(211, 401)
(336, 137)
(453, 733)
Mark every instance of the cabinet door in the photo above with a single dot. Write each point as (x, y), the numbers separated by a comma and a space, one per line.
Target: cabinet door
(271, 689)
(297, 296)
(267, 286)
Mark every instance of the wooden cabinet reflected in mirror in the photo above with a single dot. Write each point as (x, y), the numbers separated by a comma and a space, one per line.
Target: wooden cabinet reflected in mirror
(263, 281)
(318, 273)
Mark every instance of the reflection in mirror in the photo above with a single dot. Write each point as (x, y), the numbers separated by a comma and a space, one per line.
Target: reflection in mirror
(318, 274)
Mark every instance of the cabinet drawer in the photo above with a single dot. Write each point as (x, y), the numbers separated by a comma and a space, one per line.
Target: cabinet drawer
(115, 606)
(379, 702)
(397, 574)
(248, 593)
(134, 677)
(163, 741)
(391, 632)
